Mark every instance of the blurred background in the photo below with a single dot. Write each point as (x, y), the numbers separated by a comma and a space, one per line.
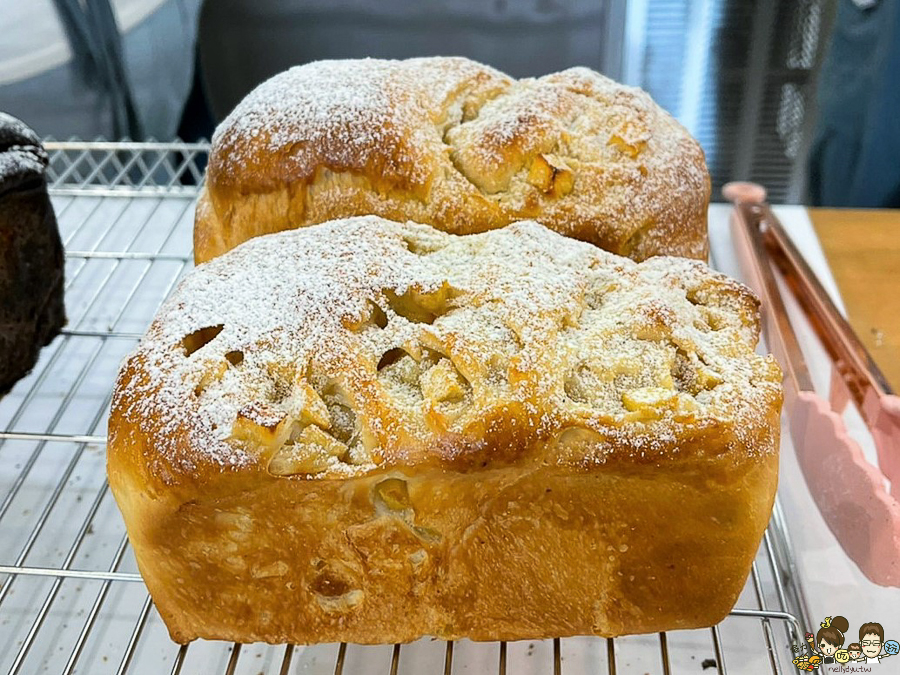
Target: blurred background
(799, 95)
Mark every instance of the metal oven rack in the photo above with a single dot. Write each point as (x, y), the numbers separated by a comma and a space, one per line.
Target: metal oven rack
(71, 600)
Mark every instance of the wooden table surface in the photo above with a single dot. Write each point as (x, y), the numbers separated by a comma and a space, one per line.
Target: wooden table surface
(863, 250)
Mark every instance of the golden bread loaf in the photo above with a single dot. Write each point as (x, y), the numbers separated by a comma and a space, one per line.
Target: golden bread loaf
(369, 431)
(460, 146)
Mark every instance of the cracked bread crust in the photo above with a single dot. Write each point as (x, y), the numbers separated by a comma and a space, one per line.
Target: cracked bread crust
(460, 146)
(371, 431)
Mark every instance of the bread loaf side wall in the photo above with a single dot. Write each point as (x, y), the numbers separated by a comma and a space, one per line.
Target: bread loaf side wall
(513, 553)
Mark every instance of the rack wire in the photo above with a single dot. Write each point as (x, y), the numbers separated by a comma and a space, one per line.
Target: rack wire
(71, 600)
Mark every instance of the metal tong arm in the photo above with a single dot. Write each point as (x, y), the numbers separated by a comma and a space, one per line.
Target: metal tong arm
(855, 373)
(859, 372)
(779, 334)
(839, 477)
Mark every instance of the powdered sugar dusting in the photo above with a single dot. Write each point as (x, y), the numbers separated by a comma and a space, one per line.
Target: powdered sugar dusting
(346, 115)
(374, 342)
(21, 153)
(455, 144)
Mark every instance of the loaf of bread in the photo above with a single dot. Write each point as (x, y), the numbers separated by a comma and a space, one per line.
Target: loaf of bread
(369, 431)
(460, 146)
(31, 254)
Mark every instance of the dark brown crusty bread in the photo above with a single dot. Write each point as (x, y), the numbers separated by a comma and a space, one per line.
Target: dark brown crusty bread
(460, 146)
(367, 431)
(31, 254)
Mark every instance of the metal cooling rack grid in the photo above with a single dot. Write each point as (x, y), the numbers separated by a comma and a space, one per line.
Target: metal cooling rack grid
(71, 600)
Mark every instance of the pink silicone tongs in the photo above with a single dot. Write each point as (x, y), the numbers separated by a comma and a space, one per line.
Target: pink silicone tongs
(849, 491)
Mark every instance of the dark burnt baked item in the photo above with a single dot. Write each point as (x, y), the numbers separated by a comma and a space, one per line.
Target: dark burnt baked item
(31, 254)
(460, 146)
(368, 431)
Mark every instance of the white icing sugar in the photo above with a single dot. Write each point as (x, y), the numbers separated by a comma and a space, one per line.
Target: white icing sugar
(461, 135)
(355, 107)
(20, 149)
(364, 309)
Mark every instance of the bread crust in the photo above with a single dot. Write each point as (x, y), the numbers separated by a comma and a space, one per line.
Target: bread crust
(525, 552)
(486, 484)
(460, 146)
(32, 266)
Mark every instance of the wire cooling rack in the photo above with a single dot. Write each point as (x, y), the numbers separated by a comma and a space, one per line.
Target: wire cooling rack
(71, 600)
